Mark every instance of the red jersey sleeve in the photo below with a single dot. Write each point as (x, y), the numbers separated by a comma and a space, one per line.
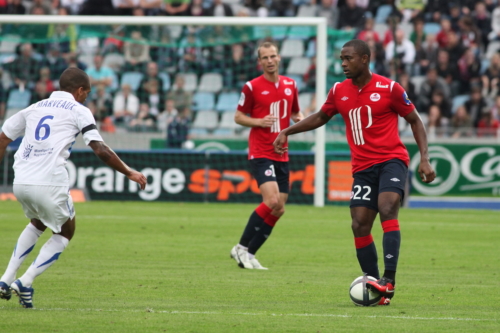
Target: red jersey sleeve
(329, 106)
(295, 103)
(245, 104)
(400, 103)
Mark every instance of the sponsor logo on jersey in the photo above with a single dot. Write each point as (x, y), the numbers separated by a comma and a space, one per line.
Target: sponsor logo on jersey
(395, 180)
(287, 82)
(406, 99)
(380, 85)
(375, 97)
(288, 91)
(345, 98)
(268, 172)
(27, 151)
(242, 99)
(265, 92)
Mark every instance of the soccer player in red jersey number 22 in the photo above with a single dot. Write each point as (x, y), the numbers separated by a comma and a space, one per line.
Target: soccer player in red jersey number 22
(267, 104)
(370, 105)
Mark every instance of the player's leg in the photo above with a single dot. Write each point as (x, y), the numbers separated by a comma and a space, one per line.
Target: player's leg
(364, 210)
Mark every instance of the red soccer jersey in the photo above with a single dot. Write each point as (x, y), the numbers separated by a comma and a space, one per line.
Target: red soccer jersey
(371, 118)
(260, 98)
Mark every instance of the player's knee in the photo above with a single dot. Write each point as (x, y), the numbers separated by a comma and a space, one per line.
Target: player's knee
(279, 211)
(388, 210)
(359, 228)
(273, 203)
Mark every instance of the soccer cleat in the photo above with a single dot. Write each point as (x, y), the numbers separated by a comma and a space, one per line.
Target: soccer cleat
(256, 264)
(384, 301)
(25, 294)
(241, 257)
(384, 286)
(5, 291)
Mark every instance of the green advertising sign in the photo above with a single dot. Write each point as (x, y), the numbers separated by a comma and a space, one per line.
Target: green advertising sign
(461, 170)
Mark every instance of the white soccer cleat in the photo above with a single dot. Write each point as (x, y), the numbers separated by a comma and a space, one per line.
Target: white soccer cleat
(241, 256)
(256, 264)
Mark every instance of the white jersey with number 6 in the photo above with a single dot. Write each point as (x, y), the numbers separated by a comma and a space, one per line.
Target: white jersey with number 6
(50, 128)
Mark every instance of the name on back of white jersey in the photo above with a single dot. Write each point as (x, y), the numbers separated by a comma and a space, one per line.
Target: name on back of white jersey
(56, 103)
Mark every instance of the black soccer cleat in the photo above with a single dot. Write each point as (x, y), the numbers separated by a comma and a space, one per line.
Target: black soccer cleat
(384, 287)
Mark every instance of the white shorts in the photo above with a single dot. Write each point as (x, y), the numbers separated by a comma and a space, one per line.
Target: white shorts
(50, 204)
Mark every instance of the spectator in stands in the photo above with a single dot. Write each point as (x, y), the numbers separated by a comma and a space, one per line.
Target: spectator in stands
(124, 7)
(469, 67)
(351, 16)
(401, 52)
(25, 69)
(152, 103)
(218, 8)
(418, 35)
(442, 36)
(435, 9)
(482, 20)
(443, 103)
(408, 86)
(181, 98)
(469, 34)
(125, 105)
(178, 129)
(97, 7)
(190, 54)
(368, 33)
(240, 68)
(495, 24)
(145, 30)
(151, 7)
(476, 105)
(54, 62)
(196, 9)
(100, 74)
(136, 52)
(45, 79)
(257, 7)
(40, 92)
(101, 103)
(328, 10)
(151, 74)
(495, 110)
(491, 78)
(488, 126)
(167, 116)
(455, 16)
(176, 7)
(39, 5)
(445, 68)
(15, 7)
(454, 47)
(281, 8)
(461, 123)
(434, 123)
(433, 83)
(72, 61)
(426, 55)
(73, 6)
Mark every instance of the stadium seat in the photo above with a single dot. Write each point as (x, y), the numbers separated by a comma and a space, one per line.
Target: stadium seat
(292, 48)
(87, 59)
(383, 13)
(227, 121)
(5, 58)
(190, 81)
(301, 32)
(9, 43)
(380, 28)
(198, 132)
(298, 65)
(417, 81)
(115, 61)
(133, 79)
(306, 11)
(210, 82)
(203, 100)
(407, 29)
(432, 28)
(311, 49)
(206, 120)
(10, 112)
(305, 100)
(276, 32)
(6, 80)
(227, 101)
(299, 80)
(457, 101)
(175, 31)
(166, 81)
(18, 99)
(223, 132)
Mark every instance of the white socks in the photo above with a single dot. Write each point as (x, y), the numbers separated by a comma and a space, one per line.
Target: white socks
(49, 253)
(24, 246)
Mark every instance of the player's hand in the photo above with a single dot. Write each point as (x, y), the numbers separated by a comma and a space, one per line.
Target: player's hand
(139, 178)
(297, 117)
(279, 144)
(267, 121)
(426, 172)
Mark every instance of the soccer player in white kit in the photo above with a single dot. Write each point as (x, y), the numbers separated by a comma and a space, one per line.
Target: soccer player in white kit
(41, 183)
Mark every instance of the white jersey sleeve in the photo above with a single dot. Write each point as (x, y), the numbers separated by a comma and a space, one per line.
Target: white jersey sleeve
(14, 127)
(87, 126)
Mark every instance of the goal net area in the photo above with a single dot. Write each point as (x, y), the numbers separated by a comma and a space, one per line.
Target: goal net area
(164, 94)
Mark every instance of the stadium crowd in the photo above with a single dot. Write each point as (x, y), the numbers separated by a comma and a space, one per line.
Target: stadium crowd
(444, 53)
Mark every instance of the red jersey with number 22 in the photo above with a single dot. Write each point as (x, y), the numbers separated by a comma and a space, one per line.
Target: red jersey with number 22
(371, 118)
(261, 97)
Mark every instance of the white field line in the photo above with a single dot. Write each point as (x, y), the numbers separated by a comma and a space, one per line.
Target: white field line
(149, 310)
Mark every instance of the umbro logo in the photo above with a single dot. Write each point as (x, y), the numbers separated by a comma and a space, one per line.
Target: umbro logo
(265, 92)
(287, 82)
(389, 256)
(345, 98)
(395, 180)
(380, 85)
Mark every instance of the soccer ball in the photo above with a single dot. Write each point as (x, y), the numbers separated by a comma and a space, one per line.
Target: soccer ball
(362, 296)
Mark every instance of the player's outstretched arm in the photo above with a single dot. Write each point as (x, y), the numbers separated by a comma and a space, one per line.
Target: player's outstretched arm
(307, 124)
(108, 156)
(425, 169)
(4, 142)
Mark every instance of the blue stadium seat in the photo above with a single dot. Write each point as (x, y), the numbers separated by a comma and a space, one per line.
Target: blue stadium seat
(166, 81)
(383, 13)
(485, 63)
(299, 80)
(206, 120)
(203, 101)
(227, 101)
(133, 79)
(458, 100)
(432, 28)
(198, 132)
(18, 99)
(223, 132)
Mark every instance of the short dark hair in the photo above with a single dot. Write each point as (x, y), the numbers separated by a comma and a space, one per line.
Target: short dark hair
(72, 79)
(360, 47)
(267, 45)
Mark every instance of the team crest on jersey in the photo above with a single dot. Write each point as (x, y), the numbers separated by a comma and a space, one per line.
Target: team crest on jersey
(242, 99)
(268, 172)
(375, 97)
(406, 99)
(288, 91)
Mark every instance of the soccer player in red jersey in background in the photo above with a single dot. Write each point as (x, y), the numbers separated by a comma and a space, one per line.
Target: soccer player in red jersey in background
(267, 104)
(370, 105)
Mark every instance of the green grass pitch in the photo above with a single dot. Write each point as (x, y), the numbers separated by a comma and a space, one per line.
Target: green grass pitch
(165, 267)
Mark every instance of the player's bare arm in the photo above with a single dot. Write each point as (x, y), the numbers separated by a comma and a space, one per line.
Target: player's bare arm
(314, 121)
(4, 142)
(425, 169)
(108, 156)
(242, 119)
